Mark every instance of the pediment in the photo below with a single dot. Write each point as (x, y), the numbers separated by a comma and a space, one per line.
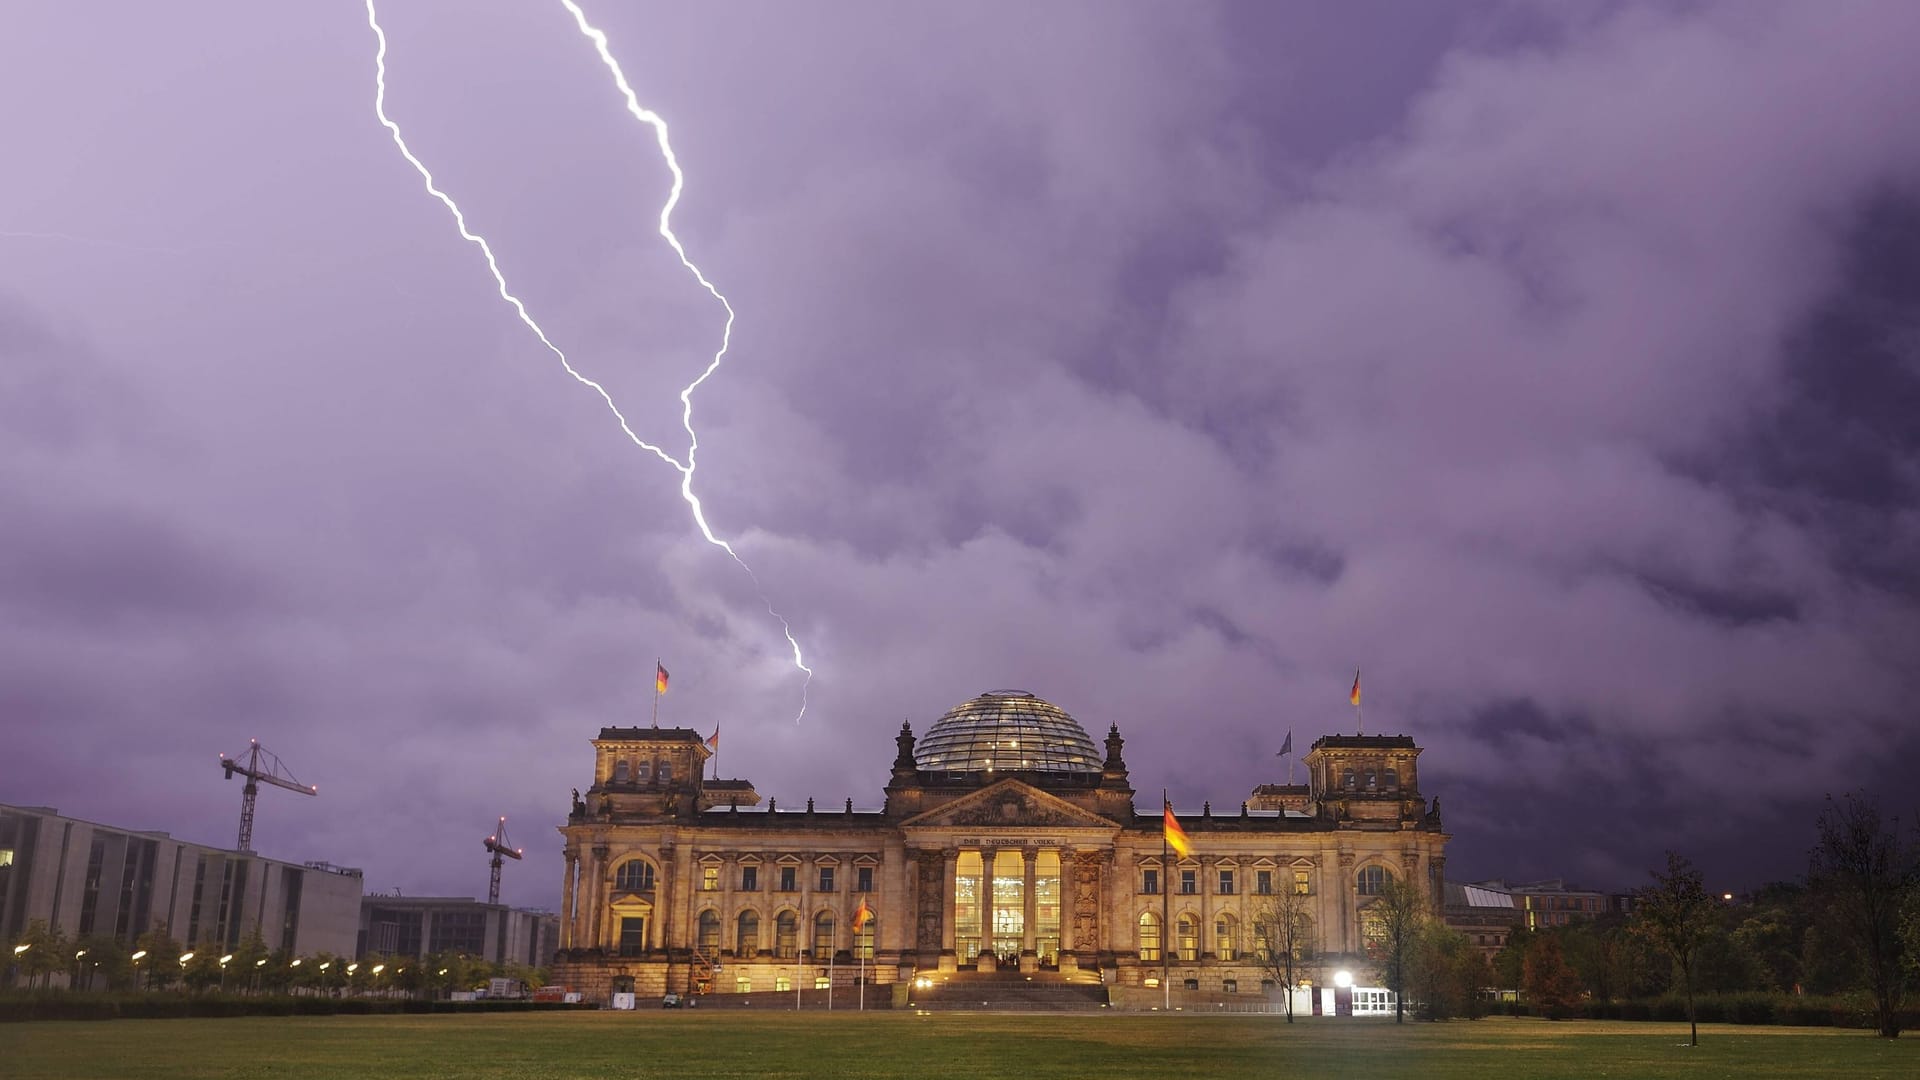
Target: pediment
(1009, 804)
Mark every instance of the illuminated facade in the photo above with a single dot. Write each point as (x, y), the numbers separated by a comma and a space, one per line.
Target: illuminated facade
(1008, 841)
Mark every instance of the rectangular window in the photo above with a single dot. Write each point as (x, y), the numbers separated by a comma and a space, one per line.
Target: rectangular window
(789, 878)
(1302, 885)
(821, 982)
(750, 878)
(633, 936)
(1189, 882)
(863, 879)
(709, 879)
(742, 984)
(1263, 882)
(1229, 986)
(1150, 881)
(826, 879)
(782, 982)
(1226, 883)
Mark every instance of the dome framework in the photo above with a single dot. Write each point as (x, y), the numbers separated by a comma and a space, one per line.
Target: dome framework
(1007, 731)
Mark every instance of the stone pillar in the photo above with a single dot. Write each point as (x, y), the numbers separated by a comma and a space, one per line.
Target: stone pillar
(1344, 887)
(572, 856)
(807, 870)
(1029, 910)
(988, 856)
(596, 891)
(728, 927)
(664, 908)
(950, 888)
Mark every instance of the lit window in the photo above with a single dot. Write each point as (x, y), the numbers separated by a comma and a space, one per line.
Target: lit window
(1223, 937)
(709, 879)
(742, 984)
(1302, 884)
(1373, 880)
(1149, 937)
(782, 982)
(634, 875)
(1187, 937)
(823, 934)
(821, 982)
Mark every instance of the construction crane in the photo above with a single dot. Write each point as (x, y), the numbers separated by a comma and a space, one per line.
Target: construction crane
(497, 843)
(275, 773)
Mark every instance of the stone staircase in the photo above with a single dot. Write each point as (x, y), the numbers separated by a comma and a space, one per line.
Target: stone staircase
(990, 991)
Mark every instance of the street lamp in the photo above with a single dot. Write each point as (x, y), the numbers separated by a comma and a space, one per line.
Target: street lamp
(184, 957)
(138, 955)
(1343, 979)
(18, 949)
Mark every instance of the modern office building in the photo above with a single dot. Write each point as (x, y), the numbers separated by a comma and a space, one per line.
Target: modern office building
(1008, 840)
(420, 926)
(84, 878)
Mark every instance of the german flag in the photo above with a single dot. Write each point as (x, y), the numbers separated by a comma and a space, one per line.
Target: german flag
(1176, 836)
(862, 916)
(1354, 697)
(659, 678)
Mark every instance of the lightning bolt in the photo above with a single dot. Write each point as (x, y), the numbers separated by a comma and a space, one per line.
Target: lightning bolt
(686, 468)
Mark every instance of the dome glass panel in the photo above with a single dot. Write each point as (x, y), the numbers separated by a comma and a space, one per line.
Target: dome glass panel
(1006, 731)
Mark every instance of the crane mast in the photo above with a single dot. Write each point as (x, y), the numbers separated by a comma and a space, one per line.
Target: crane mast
(275, 773)
(501, 848)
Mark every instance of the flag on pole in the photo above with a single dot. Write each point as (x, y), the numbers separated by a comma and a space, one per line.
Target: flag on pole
(1353, 698)
(660, 679)
(1287, 746)
(713, 740)
(862, 916)
(1176, 836)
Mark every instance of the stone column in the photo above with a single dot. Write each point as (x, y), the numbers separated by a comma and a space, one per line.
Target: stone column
(1344, 885)
(988, 856)
(572, 856)
(597, 915)
(950, 858)
(727, 915)
(1029, 901)
(664, 909)
(807, 870)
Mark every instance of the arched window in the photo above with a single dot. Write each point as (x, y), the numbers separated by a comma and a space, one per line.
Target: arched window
(1149, 936)
(634, 875)
(620, 771)
(642, 771)
(746, 939)
(823, 934)
(1349, 781)
(664, 772)
(1392, 780)
(1262, 946)
(709, 931)
(1186, 939)
(1373, 780)
(1223, 937)
(786, 935)
(863, 939)
(1373, 880)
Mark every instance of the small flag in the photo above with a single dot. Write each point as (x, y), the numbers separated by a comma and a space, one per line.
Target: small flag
(713, 741)
(862, 916)
(1176, 836)
(1287, 746)
(1354, 697)
(660, 679)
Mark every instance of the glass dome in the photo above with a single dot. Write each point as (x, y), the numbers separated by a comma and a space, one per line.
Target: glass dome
(1006, 731)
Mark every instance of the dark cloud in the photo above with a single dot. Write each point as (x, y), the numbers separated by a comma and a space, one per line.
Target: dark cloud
(1553, 365)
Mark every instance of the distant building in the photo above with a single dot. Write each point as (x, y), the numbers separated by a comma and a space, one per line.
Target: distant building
(419, 926)
(84, 878)
(1487, 916)
(1552, 902)
(1008, 842)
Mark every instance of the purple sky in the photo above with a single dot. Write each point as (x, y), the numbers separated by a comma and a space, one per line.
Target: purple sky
(1559, 365)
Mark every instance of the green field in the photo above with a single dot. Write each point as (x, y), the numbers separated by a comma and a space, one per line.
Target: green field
(693, 1045)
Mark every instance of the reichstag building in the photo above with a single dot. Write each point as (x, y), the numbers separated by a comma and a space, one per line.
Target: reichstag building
(1008, 842)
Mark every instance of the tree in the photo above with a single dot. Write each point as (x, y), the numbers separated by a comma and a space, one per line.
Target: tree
(1862, 871)
(40, 951)
(1394, 922)
(1676, 915)
(1284, 929)
(1446, 972)
(162, 959)
(1551, 985)
(100, 958)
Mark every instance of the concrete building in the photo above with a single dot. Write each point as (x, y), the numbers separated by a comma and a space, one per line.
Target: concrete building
(1007, 841)
(1552, 902)
(84, 878)
(1487, 916)
(419, 926)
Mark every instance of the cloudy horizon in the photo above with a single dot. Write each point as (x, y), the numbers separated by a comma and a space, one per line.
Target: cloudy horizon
(1554, 365)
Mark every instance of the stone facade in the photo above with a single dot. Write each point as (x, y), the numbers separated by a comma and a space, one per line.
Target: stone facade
(673, 884)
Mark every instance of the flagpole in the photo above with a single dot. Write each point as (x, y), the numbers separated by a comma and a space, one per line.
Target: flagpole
(656, 691)
(1166, 911)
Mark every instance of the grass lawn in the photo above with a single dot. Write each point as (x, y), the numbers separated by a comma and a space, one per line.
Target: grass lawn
(1109, 1046)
